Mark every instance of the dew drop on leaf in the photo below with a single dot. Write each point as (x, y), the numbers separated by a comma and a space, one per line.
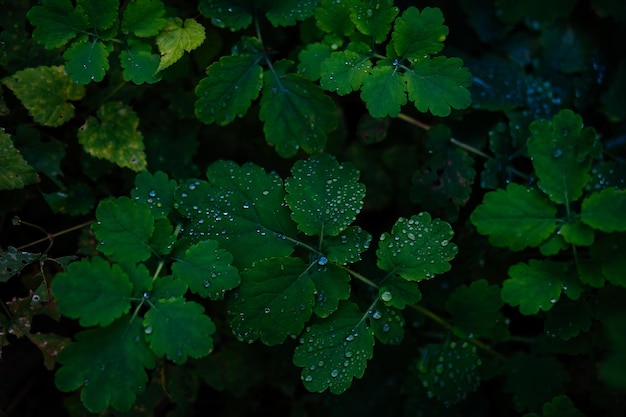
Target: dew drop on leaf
(386, 296)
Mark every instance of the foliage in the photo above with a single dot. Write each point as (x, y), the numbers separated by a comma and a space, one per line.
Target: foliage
(312, 208)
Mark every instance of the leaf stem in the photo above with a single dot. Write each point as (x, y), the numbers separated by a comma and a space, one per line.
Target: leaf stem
(50, 236)
(358, 276)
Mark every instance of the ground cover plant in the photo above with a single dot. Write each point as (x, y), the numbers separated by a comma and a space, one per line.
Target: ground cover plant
(320, 208)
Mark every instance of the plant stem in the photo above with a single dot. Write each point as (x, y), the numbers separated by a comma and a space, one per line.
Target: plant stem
(358, 276)
(51, 237)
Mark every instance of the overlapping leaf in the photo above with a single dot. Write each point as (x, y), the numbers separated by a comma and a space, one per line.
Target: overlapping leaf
(384, 91)
(332, 284)
(14, 171)
(206, 269)
(46, 92)
(387, 324)
(288, 12)
(273, 302)
(568, 319)
(417, 248)
(108, 363)
(416, 33)
(516, 217)
(335, 350)
(242, 208)
(178, 37)
(345, 71)
(140, 64)
(334, 17)
(178, 329)
(605, 210)
(227, 91)
(230, 14)
(324, 196)
(12, 261)
(57, 22)
(124, 229)
(114, 136)
(398, 292)
(561, 151)
(476, 308)
(157, 191)
(346, 247)
(93, 291)
(87, 60)
(373, 17)
(144, 18)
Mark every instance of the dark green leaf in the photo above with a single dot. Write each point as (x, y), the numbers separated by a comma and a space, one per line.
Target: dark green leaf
(373, 17)
(516, 218)
(288, 12)
(335, 350)
(324, 196)
(108, 363)
(561, 406)
(311, 58)
(230, 14)
(140, 64)
(334, 17)
(273, 302)
(347, 246)
(344, 71)
(124, 229)
(177, 330)
(331, 286)
(93, 291)
(417, 248)
(605, 210)
(56, 22)
(75, 200)
(387, 324)
(384, 91)
(399, 293)
(231, 84)
(144, 18)
(157, 191)
(87, 61)
(418, 34)
(608, 251)
(567, 319)
(207, 270)
(14, 171)
(476, 308)
(102, 14)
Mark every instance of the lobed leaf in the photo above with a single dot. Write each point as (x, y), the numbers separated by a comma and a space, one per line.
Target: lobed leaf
(102, 14)
(156, 191)
(296, 114)
(332, 284)
(12, 261)
(124, 230)
(87, 61)
(536, 285)
(373, 17)
(273, 302)
(140, 64)
(561, 406)
(515, 217)
(346, 247)
(344, 71)
(56, 22)
(14, 170)
(108, 363)
(178, 37)
(230, 86)
(449, 370)
(288, 12)
(438, 84)
(416, 34)
(45, 92)
(92, 291)
(561, 152)
(230, 14)
(398, 292)
(242, 207)
(311, 58)
(114, 136)
(335, 350)
(387, 324)
(178, 329)
(334, 17)
(323, 195)
(608, 252)
(144, 18)
(568, 319)
(604, 210)
(417, 248)
(476, 308)
(384, 91)
(207, 270)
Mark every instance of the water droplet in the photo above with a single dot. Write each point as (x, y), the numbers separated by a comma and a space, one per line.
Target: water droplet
(386, 296)
(377, 315)
(267, 310)
(557, 153)
(152, 193)
(444, 243)
(207, 283)
(350, 337)
(148, 330)
(334, 373)
(322, 260)
(308, 378)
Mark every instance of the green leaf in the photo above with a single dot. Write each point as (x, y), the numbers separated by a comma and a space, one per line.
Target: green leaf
(612, 370)
(324, 196)
(449, 370)
(207, 270)
(93, 291)
(12, 261)
(163, 238)
(108, 363)
(438, 84)
(102, 14)
(178, 37)
(43, 155)
(311, 58)
(516, 217)
(14, 171)
(397, 292)
(534, 380)
(373, 17)
(335, 350)
(476, 308)
(604, 210)
(178, 329)
(45, 92)
(167, 288)
(332, 284)
(561, 406)
(344, 71)
(231, 84)
(536, 285)
(567, 319)
(577, 233)
(608, 252)
(114, 136)
(346, 247)
(562, 152)
(230, 14)
(384, 91)
(87, 61)
(288, 12)
(76, 199)
(156, 191)
(273, 302)
(140, 64)
(56, 22)
(334, 17)
(418, 34)
(124, 229)
(144, 18)
(417, 248)
(387, 324)
(296, 113)
(242, 208)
